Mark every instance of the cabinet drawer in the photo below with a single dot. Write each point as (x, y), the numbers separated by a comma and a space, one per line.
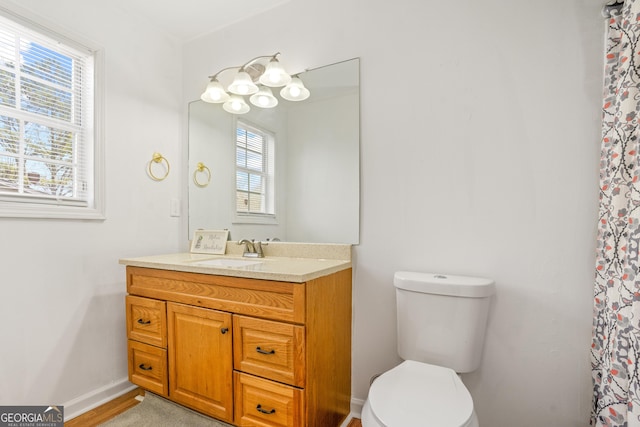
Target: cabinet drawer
(148, 367)
(147, 320)
(269, 349)
(260, 402)
(253, 297)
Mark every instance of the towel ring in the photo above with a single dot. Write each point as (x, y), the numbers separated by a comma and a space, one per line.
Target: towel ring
(158, 158)
(201, 168)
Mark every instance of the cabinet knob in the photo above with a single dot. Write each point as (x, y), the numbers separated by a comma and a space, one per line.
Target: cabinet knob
(224, 330)
(264, 411)
(144, 322)
(145, 367)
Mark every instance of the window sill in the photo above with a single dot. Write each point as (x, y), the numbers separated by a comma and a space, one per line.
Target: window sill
(255, 219)
(50, 212)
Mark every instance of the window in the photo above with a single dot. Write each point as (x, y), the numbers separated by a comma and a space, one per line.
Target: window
(254, 173)
(49, 146)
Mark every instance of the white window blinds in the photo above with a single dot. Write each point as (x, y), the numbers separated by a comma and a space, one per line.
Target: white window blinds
(254, 171)
(46, 119)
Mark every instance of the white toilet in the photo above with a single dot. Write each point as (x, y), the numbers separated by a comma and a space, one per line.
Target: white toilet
(441, 327)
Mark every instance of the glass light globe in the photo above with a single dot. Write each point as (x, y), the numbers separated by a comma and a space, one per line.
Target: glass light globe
(295, 91)
(264, 98)
(236, 105)
(214, 93)
(242, 84)
(274, 75)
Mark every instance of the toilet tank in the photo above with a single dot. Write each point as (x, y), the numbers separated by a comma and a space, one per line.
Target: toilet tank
(442, 318)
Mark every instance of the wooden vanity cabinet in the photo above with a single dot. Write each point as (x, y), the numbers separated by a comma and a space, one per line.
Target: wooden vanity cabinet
(250, 352)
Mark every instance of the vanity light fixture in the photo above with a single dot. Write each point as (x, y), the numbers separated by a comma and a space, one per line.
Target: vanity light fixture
(255, 79)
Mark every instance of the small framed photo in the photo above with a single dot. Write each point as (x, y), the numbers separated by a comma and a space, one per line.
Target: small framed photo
(209, 242)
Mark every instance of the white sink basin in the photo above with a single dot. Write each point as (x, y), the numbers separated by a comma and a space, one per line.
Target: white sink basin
(227, 262)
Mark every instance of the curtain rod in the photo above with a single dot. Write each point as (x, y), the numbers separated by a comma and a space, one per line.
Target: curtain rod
(611, 7)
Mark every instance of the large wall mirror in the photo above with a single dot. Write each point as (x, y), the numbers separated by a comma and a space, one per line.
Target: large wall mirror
(315, 157)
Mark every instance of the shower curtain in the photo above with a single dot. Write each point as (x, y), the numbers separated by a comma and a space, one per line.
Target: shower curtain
(615, 348)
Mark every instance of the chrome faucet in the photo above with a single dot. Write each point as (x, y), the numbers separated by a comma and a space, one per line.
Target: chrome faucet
(252, 249)
(258, 248)
(248, 247)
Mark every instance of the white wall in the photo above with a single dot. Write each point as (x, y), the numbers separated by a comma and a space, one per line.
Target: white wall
(486, 166)
(62, 290)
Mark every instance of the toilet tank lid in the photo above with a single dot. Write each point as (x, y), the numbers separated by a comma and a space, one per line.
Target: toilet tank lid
(444, 284)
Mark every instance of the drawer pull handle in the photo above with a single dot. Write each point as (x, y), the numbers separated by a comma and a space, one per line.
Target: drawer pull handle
(261, 351)
(224, 330)
(144, 322)
(264, 411)
(144, 367)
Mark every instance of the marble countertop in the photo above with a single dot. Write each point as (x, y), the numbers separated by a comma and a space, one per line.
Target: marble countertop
(312, 261)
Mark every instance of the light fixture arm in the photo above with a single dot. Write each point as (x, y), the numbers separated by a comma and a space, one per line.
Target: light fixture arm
(215, 76)
(246, 64)
(274, 56)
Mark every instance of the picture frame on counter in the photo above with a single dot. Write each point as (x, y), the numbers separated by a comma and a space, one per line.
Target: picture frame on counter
(209, 242)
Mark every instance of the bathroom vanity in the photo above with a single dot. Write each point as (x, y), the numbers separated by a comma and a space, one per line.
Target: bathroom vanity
(250, 342)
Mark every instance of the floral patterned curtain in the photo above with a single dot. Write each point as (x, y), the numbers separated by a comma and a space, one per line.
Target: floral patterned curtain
(615, 350)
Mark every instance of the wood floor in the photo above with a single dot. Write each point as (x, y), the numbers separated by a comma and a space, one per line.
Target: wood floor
(110, 409)
(107, 411)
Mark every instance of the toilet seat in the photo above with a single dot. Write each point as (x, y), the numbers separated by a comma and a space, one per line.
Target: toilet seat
(415, 393)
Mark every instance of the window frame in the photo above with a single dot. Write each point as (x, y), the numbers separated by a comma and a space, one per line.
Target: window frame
(47, 207)
(269, 162)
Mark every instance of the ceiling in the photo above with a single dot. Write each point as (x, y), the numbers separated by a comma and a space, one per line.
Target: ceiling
(188, 19)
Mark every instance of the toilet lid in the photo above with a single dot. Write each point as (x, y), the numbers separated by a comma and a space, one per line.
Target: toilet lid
(415, 393)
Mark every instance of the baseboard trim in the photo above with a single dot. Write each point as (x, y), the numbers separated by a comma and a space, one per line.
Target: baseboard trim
(356, 407)
(95, 398)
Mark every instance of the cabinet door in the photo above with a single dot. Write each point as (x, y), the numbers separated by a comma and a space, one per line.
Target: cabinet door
(200, 359)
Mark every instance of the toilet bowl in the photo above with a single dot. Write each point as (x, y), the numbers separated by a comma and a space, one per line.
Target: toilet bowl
(415, 394)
